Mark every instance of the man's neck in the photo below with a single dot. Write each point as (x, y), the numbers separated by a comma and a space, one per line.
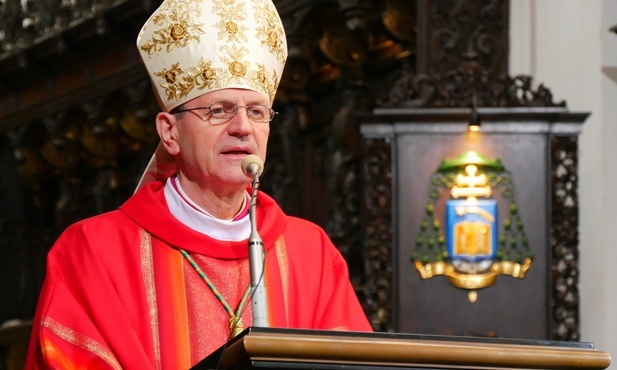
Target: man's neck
(222, 205)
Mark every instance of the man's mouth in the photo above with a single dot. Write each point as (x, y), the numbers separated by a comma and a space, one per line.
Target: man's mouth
(237, 152)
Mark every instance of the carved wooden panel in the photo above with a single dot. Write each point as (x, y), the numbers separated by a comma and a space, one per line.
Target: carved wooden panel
(564, 239)
(380, 293)
(472, 35)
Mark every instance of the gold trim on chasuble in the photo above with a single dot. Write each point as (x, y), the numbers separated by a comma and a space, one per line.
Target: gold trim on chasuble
(281, 256)
(82, 341)
(147, 270)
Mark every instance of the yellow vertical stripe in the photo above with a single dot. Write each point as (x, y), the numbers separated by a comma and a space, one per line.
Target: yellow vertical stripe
(147, 270)
(281, 255)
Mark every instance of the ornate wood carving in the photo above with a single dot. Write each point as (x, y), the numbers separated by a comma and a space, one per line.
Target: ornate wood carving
(564, 238)
(459, 33)
(458, 88)
(28, 24)
(379, 296)
(400, 17)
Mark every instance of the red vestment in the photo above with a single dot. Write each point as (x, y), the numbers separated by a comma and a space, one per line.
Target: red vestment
(118, 294)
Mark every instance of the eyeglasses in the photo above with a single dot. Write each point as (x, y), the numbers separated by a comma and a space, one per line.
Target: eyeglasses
(226, 110)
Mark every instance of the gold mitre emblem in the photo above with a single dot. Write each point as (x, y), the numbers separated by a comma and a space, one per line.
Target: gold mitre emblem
(191, 47)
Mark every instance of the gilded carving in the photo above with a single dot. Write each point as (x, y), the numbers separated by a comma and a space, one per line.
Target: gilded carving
(400, 18)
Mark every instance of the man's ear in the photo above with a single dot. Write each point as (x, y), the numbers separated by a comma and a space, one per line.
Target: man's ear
(166, 126)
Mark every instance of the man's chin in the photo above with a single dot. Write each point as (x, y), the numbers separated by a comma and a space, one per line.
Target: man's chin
(240, 180)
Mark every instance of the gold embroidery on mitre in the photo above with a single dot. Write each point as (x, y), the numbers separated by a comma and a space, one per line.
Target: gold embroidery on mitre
(178, 26)
(237, 69)
(178, 83)
(231, 27)
(231, 54)
(170, 80)
(261, 75)
(270, 32)
(207, 74)
(242, 71)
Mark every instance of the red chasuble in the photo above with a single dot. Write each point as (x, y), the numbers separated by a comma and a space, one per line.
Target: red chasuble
(119, 294)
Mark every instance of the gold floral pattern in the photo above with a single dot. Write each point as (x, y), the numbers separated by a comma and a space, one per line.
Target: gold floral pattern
(270, 31)
(208, 74)
(237, 69)
(202, 76)
(231, 26)
(178, 30)
(179, 83)
(178, 26)
(170, 76)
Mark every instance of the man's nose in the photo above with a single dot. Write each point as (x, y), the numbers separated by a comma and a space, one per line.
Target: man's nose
(241, 123)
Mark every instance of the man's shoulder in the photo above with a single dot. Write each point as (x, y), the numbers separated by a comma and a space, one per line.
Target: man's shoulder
(298, 223)
(107, 218)
(103, 226)
(300, 231)
(106, 236)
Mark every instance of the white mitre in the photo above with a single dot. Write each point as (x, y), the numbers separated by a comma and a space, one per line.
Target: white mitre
(192, 47)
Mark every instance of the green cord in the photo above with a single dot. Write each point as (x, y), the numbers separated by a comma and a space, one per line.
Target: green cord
(235, 322)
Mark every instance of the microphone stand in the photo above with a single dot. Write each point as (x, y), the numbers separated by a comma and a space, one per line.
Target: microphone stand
(257, 259)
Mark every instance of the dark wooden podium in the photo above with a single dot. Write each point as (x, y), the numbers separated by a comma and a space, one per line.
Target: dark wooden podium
(272, 348)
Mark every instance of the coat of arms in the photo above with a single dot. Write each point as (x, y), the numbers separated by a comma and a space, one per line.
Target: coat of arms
(470, 250)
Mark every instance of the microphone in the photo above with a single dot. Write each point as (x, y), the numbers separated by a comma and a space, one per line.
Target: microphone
(252, 166)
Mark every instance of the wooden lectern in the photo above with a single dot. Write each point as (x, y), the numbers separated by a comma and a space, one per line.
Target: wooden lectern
(272, 348)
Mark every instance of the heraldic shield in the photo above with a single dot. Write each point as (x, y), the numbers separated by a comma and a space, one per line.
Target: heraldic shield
(470, 250)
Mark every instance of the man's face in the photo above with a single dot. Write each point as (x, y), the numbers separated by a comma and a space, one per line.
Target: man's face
(210, 151)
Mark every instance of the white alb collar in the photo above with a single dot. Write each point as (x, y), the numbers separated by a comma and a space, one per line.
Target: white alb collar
(195, 217)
